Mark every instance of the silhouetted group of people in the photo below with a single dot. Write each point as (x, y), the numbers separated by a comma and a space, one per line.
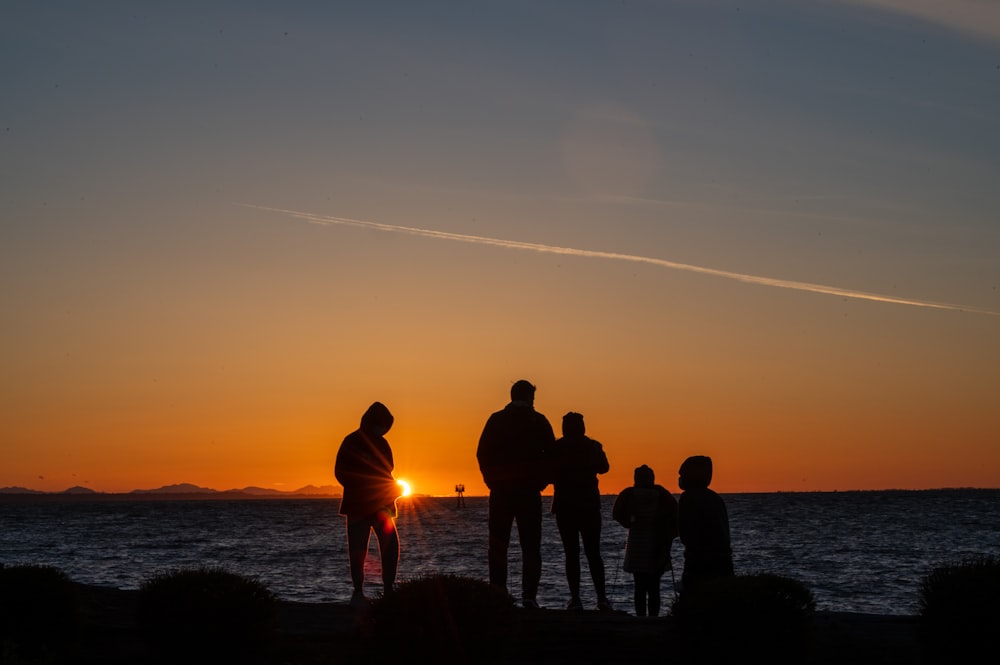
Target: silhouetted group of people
(519, 456)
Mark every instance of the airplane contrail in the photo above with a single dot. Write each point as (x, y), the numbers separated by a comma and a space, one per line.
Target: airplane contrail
(327, 220)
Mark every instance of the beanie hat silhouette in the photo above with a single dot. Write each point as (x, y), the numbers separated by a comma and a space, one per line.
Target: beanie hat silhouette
(644, 476)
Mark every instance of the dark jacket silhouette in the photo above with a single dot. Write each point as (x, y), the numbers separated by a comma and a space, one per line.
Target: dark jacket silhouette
(364, 466)
(513, 448)
(576, 461)
(649, 512)
(704, 524)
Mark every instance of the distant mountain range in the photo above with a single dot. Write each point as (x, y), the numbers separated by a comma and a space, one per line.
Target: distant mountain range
(187, 490)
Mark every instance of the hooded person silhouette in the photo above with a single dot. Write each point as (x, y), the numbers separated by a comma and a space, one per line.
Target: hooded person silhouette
(364, 469)
(703, 523)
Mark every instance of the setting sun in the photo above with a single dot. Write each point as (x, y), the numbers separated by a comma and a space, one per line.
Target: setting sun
(404, 486)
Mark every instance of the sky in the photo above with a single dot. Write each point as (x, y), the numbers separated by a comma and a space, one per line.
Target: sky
(762, 231)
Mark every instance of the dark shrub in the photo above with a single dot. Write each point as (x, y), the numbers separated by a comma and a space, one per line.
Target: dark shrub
(745, 618)
(959, 611)
(445, 619)
(206, 614)
(39, 614)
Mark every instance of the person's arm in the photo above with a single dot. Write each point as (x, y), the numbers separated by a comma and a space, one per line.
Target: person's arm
(669, 507)
(347, 467)
(486, 452)
(686, 523)
(546, 471)
(601, 464)
(620, 511)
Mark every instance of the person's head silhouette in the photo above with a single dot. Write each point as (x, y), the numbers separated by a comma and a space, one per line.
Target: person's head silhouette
(644, 476)
(522, 391)
(377, 420)
(695, 473)
(572, 424)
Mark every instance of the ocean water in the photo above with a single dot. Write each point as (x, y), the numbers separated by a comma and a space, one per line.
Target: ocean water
(856, 551)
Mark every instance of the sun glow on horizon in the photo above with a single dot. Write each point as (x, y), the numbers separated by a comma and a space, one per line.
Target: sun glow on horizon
(404, 487)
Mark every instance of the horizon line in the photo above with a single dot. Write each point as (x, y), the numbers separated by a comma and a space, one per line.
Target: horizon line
(198, 490)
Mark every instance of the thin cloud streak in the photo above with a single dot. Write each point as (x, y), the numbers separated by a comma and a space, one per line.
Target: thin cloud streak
(327, 220)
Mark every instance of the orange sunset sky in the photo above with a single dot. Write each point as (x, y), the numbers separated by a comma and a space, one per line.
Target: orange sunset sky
(766, 232)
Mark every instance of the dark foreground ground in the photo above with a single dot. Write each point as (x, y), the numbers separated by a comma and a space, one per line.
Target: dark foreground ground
(328, 634)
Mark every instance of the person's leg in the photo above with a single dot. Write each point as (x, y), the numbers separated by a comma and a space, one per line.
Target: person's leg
(358, 532)
(590, 530)
(654, 595)
(639, 594)
(570, 536)
(529, 532)
(499, 523)
(388, 548)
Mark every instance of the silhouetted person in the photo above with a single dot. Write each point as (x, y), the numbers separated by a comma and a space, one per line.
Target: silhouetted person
(364, 468)
(649, 512)
(576, 461)
(512, 458)
(704, 525)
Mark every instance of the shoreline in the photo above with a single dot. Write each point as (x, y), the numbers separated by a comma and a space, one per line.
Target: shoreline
(333, 633)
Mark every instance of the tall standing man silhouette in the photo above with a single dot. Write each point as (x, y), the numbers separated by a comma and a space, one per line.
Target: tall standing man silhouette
(512, 456)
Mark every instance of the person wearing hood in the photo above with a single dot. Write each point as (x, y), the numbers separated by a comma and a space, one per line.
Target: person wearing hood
(704, 525)
(649, 512)
(576, 462)
(513, 458)
(364, 468)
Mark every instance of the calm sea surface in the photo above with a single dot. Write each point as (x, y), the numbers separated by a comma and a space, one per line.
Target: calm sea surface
(856, 551)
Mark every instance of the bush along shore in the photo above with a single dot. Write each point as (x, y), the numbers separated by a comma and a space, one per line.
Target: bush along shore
(208, 615)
